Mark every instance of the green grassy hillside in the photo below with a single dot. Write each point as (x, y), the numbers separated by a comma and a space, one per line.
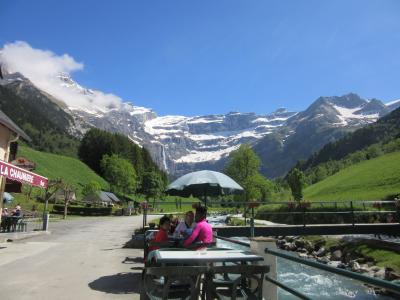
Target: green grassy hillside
(369, 180)
(53, 166)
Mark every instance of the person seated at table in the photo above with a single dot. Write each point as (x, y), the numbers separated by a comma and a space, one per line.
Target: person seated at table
(4, 213)
(17, 211)
(162, 233)
(174, 224)
(5, 220)
(202, 233)
(185, 227)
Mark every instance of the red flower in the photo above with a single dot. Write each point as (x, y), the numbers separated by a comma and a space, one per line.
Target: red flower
(304, 204)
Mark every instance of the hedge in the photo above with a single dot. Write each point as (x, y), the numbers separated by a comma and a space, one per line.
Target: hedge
(326, 214)
(81, 210)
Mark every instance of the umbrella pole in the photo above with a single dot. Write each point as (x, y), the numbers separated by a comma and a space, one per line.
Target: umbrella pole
(205, 196)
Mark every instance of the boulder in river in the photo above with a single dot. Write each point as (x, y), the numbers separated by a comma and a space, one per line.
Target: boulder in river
(355, 266)
(303, 255)
(380, 274)
(299, 243)
(321, 252)
(337, 255)
(390, 274)
(323, 259)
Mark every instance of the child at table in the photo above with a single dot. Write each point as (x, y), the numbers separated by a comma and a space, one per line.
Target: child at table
(162, 233)
(185, 228)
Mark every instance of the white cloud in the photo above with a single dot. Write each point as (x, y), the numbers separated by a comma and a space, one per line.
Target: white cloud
(42, 67)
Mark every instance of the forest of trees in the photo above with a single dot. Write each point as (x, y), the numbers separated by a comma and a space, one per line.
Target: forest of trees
(102, 151)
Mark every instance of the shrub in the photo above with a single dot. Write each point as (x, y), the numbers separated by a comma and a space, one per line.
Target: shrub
(85, 211)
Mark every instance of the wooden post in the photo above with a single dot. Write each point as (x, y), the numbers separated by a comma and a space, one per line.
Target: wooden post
(258, 245)
(5, 140)
(252, 222)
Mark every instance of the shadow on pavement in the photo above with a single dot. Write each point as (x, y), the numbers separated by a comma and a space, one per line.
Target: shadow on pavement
(121, 283)
(133, 260)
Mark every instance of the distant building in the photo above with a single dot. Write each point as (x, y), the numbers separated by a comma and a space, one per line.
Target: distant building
(59, 196)
(102, 198)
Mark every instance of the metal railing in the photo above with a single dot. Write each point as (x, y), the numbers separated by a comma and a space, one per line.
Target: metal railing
(353, 209)
(342, 208)
(233, 241)
(395, 288)
(301, 212)
(277, 283)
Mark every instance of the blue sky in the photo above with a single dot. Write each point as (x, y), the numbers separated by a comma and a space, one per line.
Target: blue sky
(205, 57)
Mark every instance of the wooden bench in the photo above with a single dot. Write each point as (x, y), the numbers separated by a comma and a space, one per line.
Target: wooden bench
(168, 282)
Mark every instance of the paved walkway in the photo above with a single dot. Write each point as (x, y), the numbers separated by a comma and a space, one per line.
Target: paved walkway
(82, 259)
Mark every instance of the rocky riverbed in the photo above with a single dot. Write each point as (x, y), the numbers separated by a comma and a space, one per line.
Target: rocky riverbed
(338, 254)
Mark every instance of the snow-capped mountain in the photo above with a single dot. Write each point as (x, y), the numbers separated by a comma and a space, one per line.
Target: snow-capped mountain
(195, 140)
(393, 104)
(178, 141)
(180, 144)
(325, 120)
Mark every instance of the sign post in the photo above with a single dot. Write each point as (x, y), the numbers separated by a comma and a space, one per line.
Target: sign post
(15, 173)
(144, 205)
(18, 174)
(252, 204)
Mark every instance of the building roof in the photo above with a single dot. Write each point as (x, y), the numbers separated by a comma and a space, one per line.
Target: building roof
(104, 197)
(112, 197)
(7, 122)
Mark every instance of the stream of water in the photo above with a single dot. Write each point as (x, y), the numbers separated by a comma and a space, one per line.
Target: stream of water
(314, 283)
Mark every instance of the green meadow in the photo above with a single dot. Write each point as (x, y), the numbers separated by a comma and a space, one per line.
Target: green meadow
(53, 166)
(373, 179)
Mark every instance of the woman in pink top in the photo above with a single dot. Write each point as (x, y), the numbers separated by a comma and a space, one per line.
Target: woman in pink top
(202, 232)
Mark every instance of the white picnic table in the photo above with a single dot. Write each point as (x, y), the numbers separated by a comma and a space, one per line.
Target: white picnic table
(205, 256)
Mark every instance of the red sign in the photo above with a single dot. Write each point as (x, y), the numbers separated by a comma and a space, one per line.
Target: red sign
(14, 173)
(253, 204)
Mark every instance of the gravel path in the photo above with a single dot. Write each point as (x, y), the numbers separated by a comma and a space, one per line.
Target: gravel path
(81, 259)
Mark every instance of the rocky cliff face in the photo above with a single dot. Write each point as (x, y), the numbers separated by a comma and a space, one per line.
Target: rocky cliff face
(181, 144)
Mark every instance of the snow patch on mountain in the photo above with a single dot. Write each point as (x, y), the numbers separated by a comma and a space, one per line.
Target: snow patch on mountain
(392, 105)
(205, 137)
(345, 114)
(393, 102)
(198, 120)
(204, 156)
